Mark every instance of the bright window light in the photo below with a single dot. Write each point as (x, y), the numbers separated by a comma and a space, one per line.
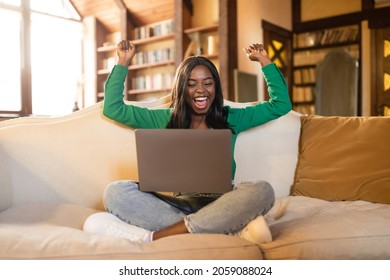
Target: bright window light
(56, 64)
(53, 44)
(10, 57)
(61, 8)
(12, 2)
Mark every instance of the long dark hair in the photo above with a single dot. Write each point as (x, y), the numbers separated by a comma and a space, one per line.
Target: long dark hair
(216, 117)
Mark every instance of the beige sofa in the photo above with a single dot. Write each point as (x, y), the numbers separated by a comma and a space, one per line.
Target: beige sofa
(53, 172)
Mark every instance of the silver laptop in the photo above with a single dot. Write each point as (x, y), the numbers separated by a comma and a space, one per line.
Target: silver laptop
(184, 160)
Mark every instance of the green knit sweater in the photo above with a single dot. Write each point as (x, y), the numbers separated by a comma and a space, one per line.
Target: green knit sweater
(239, 119)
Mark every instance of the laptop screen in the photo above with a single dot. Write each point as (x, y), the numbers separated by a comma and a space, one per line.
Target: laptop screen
(184, 160)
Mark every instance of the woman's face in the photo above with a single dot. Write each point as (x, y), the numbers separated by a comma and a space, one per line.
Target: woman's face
(201, 90)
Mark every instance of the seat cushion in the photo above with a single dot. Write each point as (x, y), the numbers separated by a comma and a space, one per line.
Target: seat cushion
(54, 231)
(308, 228)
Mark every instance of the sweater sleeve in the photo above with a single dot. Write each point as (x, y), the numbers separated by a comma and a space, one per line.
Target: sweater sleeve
(116, 109)
(278, 104)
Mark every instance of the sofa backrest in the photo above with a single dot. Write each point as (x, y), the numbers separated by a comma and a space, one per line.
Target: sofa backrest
(71, 159)
(270, 152)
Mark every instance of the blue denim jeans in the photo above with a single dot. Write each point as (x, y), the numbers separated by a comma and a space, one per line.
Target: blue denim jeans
(201, 213)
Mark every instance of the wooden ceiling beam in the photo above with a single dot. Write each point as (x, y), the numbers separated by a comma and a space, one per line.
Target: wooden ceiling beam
(109, 12)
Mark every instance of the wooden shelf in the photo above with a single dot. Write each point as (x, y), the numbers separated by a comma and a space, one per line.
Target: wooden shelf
(107, 48)
(303, 102)
(209, 28)
(305, 85)
(153, 39)
(151, 65)
(305, 66)
(103, 71)
(139, 42)
(320, 47)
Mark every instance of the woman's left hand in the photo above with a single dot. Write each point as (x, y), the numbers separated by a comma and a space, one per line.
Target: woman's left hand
(256, 52)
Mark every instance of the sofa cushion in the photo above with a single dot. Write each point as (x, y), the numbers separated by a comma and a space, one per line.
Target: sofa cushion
(344, 158)
(54, 231)
(310, 228)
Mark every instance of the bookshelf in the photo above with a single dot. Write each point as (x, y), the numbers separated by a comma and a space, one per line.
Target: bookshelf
(162, 46)
(106, 58)
(327, 37)
(208, 41)
(100, 44)
(209, 28)
(309, 49)
(152, 70)
(303, 88)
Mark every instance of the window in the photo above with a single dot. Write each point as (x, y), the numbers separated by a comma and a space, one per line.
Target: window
(56, 64)
(41, 57)
(277, 42)
(10, 57)
(60, 8)
(12, 2)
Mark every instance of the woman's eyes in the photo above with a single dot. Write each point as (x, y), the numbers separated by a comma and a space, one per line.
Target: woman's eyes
(205, 84)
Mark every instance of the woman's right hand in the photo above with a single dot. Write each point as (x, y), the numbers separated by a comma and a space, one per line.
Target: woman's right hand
(125, 51)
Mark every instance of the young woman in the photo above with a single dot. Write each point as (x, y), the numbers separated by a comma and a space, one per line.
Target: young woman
(197, 103)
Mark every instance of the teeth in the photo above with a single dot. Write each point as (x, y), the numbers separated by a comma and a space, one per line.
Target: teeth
(200, 98)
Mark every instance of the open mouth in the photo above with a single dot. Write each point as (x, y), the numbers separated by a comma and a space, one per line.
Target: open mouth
(201, 102)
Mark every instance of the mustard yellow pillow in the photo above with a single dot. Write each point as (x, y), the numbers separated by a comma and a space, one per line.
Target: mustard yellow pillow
(344, 158)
